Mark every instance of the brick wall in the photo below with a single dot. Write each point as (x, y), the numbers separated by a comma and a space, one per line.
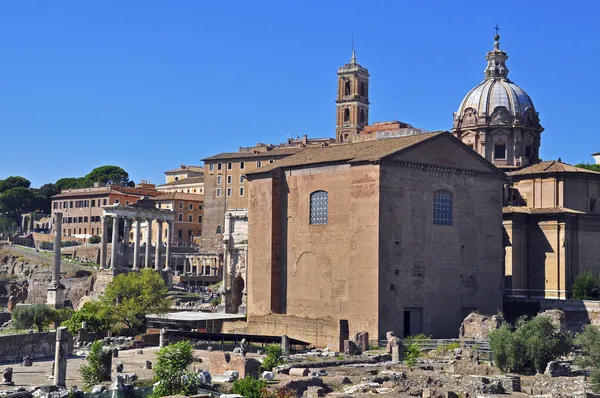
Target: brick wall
(220, 362)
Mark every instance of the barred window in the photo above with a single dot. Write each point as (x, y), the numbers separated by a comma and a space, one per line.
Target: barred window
(442, 207)
(319, 211)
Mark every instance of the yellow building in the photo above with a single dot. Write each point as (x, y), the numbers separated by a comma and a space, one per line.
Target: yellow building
(185, 179)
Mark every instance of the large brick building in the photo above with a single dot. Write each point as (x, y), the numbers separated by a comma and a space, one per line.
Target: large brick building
(82, 208)
(403, 234)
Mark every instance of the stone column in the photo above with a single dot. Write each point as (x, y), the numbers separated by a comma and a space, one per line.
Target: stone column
(55, 294)
(114, 263)
(56, 248)
(148, 243)
(136, 245)
(158, 241)
(125, 257)
(60, 358)
(167, 247)
(103, 243)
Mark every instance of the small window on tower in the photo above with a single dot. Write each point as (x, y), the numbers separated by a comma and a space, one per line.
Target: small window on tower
(362, 116)
(500, 151)
(346, 115)
(528, 151)
(363, 92)
(347, 87)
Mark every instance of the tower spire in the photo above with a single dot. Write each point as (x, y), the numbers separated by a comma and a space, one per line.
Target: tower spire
(496, 67)
(353, 59)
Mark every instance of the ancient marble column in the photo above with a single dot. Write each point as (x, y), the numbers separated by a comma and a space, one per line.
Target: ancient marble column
(159, 224)
(148, 243)
(136, 245)
(60, 358)
(125, 257)
(103, 243)
(168, 245)
(56, 248)
(114, 263)
(55, 292)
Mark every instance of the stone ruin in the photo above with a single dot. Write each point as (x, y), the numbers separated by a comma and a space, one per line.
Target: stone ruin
(478, 327)
(222, 362)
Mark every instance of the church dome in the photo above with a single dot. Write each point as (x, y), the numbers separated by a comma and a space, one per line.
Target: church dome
(496, 100)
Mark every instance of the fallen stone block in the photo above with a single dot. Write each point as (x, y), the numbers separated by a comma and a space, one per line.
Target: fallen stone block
(299, 372)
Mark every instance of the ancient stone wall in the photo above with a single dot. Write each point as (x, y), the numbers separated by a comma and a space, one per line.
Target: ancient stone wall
(316, 271)
(36, 345)
(433, 275)
(322, 332)
(220, 362)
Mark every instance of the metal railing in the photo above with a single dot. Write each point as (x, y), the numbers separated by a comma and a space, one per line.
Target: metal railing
(481, 347)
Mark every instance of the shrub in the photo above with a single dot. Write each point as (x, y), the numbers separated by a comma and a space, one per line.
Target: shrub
(94, 314)
(172, 370)
(589, 341)
(586, 286)
(413, 352)
(96, 369)
(249, 387)
(273, 358)
(214, 302)
(94, 239)
(28, 316)
(62, 315)
(533, 342)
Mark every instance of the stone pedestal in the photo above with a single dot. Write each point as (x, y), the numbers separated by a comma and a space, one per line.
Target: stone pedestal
(56, 296)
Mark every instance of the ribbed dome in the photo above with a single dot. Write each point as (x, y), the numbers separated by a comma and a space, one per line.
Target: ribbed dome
(490, 94)
(496, 100)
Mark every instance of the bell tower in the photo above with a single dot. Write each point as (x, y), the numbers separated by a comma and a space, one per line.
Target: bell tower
(352, 103)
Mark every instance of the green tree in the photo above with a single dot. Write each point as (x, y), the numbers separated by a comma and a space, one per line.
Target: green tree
(18, 200)
(130, 297)
(7, 225)
(106, 175)
(589, 166)
(45, 193)
(97, 365)
(94, 314)
(533, 342)
(14, 182)
(94, 239)
(249, 387)
(28, 316)
(273, 357)
(589, 341)
(586, 286)
(69, 183)
(172, 370)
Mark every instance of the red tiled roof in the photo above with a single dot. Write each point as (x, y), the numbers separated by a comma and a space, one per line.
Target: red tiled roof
(179, 196)
(367, 151)
(540, 210)
(265, 154)
(551, 166)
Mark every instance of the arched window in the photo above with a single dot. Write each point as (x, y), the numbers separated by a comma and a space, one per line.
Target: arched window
(346, 115)
(363, 92)
(443, 203)
(347, 87)
(218, 229)
(362, 115)
(319, 212)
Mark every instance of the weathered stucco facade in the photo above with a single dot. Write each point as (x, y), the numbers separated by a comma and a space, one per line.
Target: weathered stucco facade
(378, 262)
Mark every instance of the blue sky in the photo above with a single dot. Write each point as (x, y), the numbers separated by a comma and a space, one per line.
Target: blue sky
(149, 85)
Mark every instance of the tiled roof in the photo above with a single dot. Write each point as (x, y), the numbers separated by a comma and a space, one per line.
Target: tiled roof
(539, 210)
(180, 196)
(197, 169)
(189, 180)
(103, 191)
(368, 151)
(551, 166)
(244, 155)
